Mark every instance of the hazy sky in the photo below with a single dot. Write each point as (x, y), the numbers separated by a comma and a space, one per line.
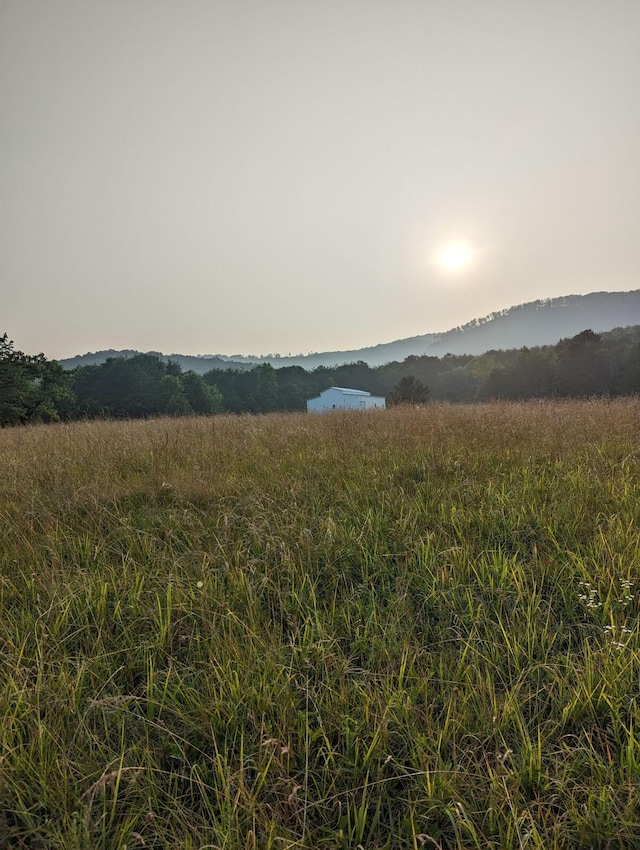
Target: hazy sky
(203, 176)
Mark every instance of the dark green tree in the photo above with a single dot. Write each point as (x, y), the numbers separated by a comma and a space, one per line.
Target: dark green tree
(410, 390)
(202, 398)
(630, 369)
(458, 384)
(133, 387)
(32, 388)
(18, 372)
(266, 393)
(582, 368)
(55, 398)
(357, 376)
(293, 387)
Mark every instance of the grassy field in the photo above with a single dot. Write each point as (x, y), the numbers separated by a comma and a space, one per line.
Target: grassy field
(412, 628)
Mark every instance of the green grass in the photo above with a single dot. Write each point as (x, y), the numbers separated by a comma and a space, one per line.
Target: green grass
(402, 629)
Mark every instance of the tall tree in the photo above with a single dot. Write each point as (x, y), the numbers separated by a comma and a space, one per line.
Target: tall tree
(143, 385)
(582, 369)
(202, 398)
(266, 394)
(410, 390)
(32, 388)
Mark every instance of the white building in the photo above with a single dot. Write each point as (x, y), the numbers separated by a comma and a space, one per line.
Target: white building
(339, 398)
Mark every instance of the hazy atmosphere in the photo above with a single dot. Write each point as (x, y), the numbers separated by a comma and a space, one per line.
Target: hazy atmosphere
(254, 177)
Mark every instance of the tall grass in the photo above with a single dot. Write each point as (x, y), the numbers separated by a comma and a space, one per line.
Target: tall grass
(400, 629)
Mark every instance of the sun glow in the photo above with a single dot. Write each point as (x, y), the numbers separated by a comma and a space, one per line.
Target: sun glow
(455, 256)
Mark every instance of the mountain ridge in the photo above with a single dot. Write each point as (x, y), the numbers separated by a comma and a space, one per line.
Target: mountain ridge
(534, 323)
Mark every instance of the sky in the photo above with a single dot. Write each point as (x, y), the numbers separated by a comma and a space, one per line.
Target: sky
(262, 176)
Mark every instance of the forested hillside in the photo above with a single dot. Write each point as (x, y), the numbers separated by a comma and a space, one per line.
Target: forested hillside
(199, 364)
(542, 322)
(33, 389)
(584, 365)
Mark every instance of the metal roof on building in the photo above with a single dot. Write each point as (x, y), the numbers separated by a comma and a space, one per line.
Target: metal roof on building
(347, 391)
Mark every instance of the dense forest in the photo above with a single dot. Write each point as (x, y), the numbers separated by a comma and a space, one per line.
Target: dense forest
(34, 389)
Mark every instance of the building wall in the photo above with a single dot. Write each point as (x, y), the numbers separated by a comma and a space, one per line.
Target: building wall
(374, 401)
(333, 399)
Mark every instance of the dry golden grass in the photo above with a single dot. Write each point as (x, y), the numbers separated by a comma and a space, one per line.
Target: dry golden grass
(405, 628)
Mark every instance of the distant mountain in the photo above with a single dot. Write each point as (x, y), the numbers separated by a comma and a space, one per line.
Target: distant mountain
(197, 363)
(543, 322)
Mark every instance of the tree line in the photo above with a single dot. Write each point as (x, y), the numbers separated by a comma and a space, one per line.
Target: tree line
(34, 389)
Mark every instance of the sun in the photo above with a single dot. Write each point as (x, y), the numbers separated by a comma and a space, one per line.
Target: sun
(455, 256)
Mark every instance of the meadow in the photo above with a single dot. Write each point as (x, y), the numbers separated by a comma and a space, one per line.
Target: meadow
(411, 628)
